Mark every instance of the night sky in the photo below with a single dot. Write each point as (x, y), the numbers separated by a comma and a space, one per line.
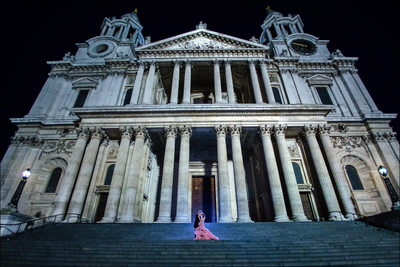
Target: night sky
(40, 31)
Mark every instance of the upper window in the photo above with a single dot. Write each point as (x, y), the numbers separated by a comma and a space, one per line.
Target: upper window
(128, 96)
(324, 95)
(80, 100)
(109, 174)
(277, 95)
(297, 173)
(53, 181)
(354, 178)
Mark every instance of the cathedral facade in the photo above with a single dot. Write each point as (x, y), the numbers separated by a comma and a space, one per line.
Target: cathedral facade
(271, 129)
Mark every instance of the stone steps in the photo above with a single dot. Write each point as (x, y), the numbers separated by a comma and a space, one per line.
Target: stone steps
(252, 244)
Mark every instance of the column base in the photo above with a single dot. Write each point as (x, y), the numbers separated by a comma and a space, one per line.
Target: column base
(107, 220)
(225, 220)
(126, 219)
(163, 219)
(336, 216)
(283, 218)
(245, 220)
(181, 219)
(300, 218)
(351, 217)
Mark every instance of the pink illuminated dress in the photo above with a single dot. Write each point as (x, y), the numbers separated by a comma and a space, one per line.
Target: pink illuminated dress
(201, 232)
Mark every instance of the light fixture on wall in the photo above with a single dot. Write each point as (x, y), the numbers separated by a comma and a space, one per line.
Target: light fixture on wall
(393, 195)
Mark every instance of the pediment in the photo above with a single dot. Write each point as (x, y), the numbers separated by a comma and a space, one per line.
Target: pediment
(201, 39)
(84, 83)
(319, 79)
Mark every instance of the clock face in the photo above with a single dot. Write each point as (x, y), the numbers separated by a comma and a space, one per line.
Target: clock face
(303, 47)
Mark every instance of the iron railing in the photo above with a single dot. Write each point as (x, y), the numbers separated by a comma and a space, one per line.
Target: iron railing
(15, 228)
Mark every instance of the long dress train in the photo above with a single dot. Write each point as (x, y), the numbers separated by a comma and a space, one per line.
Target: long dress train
(202, 233)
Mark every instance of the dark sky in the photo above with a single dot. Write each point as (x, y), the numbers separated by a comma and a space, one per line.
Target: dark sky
(38, 31)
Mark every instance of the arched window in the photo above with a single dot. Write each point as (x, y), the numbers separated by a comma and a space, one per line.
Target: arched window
(53, 181)
(297, 173)
(277, 95)
(109, 174)
(354, 178)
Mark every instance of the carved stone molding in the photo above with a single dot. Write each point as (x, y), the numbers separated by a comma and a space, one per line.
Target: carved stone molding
(221, 130)
(58, 146)
(347, 142)
(185, 130)
(266, 129)
(235, 130)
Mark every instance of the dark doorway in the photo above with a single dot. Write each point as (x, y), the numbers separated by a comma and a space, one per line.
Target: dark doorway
(203, 197)
(308, 211)
(101, 207)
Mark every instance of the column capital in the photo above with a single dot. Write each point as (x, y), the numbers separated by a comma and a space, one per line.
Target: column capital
(280, 129)
(252, 61)
(227, 61)
(235, 130)
(266, 129)
(83, 133)
(97, 133)
(216, 61)
(170, 131)
(177, 62)
(324, 129)
(221, 130)
(106, 141)
(140, 131)
(185, 131)
(126, 132)
(310, 129)
(188, 62)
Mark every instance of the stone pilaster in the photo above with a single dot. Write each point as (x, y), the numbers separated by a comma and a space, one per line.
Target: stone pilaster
(187, 82)
(254, 82)
(240, 175)
(85, 173)
(267, 83)
(68, 181)
(127, 215)
(149, 84)
(229, 82)
(278, 200)
(175, 83)
(138, 84)
(117, 181)
(290, 179)
(323, 174)
(167, 175)
(183, 176)
(217, 82)
(337, 172)
(225, 213)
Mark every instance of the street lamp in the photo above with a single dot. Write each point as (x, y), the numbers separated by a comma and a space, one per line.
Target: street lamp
(18, 191)
(393, 195)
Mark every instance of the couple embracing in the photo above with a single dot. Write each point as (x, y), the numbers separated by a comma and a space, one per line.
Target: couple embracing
(201, 232)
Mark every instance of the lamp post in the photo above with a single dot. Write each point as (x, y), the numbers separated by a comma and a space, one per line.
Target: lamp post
(393, 195)
(18, 191)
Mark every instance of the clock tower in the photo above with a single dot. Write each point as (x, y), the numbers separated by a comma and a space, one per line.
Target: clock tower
(286, 37)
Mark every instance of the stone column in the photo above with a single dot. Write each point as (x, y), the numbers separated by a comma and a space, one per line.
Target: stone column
(133, 181)
(225, 213)
(267, 83)
(323, 174)
(183, 176)
(254, 82)
(85, 173)
(288, 173)
(175, 83)
(138, 84)
(186, 83)
(110, 213)
(148, 90)
(273, 176)
(167, 176)
(337, 172)
(68, 181)
(229, 82)
(217, 82)
(240, 175)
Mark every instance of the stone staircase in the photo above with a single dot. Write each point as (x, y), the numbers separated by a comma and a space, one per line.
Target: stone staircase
(250, 244)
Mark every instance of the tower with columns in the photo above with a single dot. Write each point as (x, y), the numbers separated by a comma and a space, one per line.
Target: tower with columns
(272, 129)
